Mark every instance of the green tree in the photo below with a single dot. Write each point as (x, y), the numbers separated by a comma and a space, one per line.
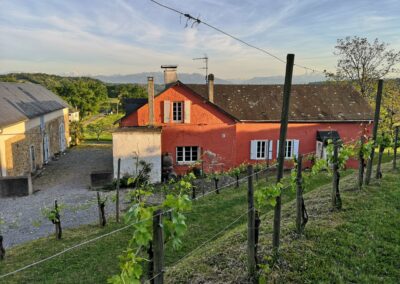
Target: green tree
(97, 129)
(76, 132)
(362, 63)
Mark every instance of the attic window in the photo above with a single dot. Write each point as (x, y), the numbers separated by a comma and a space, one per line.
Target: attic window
(177, 112)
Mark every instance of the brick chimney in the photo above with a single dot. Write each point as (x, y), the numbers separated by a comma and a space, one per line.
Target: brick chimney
(170, 75)
(150, 92)
(211, 88)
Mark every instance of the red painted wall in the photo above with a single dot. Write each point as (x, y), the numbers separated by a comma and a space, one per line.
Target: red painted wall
(214, 131)
(208, 128)
(305, 132)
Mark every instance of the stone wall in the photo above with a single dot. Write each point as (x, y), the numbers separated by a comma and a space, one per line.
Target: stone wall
(18, 160)
(15, 186)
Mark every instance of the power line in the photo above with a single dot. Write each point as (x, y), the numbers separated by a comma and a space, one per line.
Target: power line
(198, 21)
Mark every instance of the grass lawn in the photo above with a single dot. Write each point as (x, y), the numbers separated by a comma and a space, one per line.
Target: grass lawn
(95, 262)
(108, 121)
(359, 244)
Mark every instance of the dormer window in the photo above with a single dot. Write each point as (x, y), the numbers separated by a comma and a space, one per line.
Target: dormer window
(177, 112)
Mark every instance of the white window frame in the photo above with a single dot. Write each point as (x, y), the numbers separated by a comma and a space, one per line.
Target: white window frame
(289, 151)
(294, 149)
(181, 104)
(184, 155)
(261, 149)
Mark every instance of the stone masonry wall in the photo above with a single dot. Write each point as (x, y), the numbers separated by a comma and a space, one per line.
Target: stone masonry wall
(18, 159)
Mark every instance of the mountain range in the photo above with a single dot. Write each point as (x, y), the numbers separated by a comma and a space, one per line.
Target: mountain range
(196, 78)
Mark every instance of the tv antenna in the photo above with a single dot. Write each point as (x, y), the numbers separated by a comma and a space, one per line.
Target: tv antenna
(205, 59)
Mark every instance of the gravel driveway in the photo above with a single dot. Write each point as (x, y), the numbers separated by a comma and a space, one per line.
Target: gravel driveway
(66, 180)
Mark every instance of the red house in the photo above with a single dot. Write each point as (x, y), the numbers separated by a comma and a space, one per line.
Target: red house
(232, 124)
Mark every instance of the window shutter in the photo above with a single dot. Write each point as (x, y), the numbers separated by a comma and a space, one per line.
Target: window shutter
(187, 111)
(270, 147)
(167, 111)
(277, 148)
(296, 148)
(253, 149)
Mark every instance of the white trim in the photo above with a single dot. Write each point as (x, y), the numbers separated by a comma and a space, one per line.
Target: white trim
(254, 149)
(183, 162)
(181, 112)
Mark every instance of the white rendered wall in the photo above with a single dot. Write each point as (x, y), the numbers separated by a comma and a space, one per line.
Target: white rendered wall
(127, 145)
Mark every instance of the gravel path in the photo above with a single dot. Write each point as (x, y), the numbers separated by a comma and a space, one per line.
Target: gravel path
(66, 180)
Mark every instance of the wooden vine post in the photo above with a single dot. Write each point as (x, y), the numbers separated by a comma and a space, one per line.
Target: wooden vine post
(396, 137)
(336, 200)
(216, 185)
(361, 163)
(117, 193)
(158, 248)
(301, 213)
(251, 222)
(267, 163)
(282, 139)
(374, 131)
(57, 221)
(101, 204)
(2, 250)
(378, 166)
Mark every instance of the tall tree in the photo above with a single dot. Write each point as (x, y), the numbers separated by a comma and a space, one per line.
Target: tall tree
(363, 62)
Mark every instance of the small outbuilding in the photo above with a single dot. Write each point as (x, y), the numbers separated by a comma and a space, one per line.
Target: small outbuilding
(135, 144)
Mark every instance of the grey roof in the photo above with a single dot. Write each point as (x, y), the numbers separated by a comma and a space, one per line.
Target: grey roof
(22, 101)
(320, 102)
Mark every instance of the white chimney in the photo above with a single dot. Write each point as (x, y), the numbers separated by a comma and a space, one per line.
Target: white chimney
(170, 75)
(150, 92)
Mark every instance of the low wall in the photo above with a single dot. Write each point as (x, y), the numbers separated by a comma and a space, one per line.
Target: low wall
(99, 179)
(15, 186)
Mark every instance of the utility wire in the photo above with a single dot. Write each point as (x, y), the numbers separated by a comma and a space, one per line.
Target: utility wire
(198, 21)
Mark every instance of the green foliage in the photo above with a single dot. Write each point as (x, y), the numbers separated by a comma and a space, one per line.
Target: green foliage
(97, 129)
(51, 213)
(366, 148)
(266, 196)
(140, 217)
(86, 94)
(345, 152)
(234, 172)
(216, 175)
(384, 140)
(76, 132)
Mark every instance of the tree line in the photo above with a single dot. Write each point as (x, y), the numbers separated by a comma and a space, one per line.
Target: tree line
(86, 94)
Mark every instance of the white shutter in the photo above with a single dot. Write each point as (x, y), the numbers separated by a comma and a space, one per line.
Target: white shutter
(167, 111)
(270, 147)
(253, 150)
(277, 148)
(187, 111)
(296, 147)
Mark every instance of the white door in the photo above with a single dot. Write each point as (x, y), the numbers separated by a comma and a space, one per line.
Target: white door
(62, 137)
(46, 149)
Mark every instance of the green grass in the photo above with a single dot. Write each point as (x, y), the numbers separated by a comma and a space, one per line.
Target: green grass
(108, 120)
(359, 244)
(95, 262)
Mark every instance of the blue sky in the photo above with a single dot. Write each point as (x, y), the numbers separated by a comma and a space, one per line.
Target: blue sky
(81, 37)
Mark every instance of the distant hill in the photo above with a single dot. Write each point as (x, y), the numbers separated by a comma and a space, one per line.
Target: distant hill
(141, 78)
(268, 80)
(196, 78)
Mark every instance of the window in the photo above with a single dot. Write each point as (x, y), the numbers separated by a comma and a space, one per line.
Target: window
(187, 154)
(260, 148)
(289, 148)
(177, 111)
